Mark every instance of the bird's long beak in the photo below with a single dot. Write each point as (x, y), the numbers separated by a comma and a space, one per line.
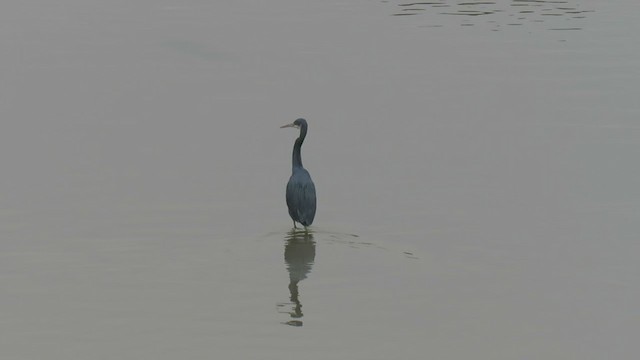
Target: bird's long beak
(288, 125)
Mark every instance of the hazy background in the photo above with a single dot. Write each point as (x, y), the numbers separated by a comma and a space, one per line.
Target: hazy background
(475, 162)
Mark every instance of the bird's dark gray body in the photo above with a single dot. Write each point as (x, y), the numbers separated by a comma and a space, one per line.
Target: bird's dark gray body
(301, 192)
(301, 197)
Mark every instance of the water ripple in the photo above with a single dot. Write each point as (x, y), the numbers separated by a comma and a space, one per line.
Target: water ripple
(545, 14)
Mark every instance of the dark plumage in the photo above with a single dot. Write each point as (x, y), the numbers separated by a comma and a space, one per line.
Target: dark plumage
(301, 192)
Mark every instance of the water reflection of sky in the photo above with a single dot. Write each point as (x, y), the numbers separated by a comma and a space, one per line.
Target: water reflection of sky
(498, 15)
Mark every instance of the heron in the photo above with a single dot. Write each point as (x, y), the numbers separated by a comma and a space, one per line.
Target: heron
(301, 192)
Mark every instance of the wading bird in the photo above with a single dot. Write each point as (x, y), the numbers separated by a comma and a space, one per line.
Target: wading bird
(301, 193)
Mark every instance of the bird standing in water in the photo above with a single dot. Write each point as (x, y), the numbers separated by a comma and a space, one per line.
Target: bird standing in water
(301, 192)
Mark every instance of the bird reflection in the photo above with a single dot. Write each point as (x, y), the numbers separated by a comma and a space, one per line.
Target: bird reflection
(299, 255)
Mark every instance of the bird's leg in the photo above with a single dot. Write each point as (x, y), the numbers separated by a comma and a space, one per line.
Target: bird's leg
(294, 225)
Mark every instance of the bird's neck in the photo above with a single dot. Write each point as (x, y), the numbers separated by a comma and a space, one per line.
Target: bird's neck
(297, 158)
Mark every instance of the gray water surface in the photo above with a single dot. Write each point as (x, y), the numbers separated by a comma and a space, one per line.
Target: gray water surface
(475, 164)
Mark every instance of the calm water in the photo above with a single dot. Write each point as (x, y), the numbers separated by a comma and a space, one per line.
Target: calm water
(474, 162)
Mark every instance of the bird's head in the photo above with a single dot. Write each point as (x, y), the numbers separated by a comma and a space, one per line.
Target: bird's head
(296, 124)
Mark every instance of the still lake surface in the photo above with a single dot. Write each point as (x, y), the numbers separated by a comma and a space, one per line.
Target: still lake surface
(476, 165)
